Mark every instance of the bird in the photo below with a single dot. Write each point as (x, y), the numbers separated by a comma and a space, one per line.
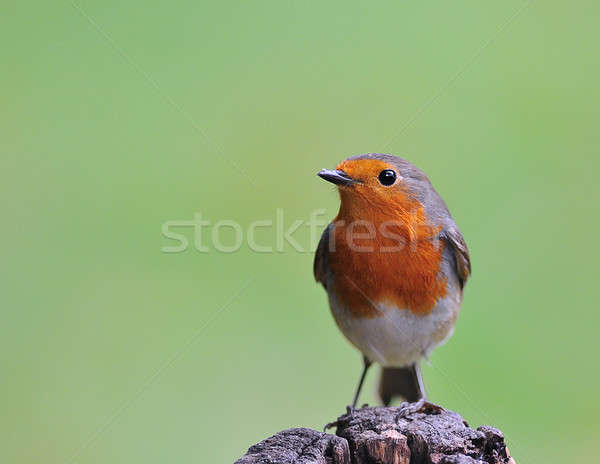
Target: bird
(394, 265)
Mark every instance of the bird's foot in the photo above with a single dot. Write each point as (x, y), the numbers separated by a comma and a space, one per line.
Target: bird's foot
(330, 425)
(350, 410)
(422, 405)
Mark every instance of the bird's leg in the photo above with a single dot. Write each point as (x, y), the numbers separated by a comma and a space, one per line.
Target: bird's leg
(422, 404)
(350, 409)
(419, 381)
(366, 365)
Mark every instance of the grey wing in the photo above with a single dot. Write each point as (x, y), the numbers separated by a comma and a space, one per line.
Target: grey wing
(438, 211)
(320, 265)
(455, 240)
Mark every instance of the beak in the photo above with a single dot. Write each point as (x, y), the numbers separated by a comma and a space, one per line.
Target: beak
(337, 177)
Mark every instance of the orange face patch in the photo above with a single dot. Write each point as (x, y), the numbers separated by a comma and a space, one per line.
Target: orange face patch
(383, 251)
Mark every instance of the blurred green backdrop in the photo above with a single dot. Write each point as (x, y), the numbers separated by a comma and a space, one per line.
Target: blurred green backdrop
(119, 116)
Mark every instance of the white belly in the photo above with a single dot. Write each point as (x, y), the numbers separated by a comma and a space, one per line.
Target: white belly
(398, 337)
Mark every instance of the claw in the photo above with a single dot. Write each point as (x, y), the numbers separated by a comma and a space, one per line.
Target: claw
(350, 410)
(422, 405)
(330, 425)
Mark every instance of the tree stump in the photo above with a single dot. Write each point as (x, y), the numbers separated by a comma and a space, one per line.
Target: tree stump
(381, 436)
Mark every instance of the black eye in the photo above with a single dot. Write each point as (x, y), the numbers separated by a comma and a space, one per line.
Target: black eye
(387, 177)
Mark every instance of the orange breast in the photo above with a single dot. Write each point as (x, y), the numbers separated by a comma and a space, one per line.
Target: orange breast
(402, 267)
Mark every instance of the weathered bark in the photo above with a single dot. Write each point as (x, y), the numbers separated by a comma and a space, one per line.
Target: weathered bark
(381, 436)
(299, 446)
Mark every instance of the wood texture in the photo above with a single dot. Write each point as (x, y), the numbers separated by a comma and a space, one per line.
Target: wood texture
(380, 436)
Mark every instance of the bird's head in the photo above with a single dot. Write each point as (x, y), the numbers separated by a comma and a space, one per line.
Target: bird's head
(378, 183)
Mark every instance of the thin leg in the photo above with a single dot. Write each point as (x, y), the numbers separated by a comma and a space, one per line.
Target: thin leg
(422, 404)
(404, 382)
(367, 364)
(419, 381)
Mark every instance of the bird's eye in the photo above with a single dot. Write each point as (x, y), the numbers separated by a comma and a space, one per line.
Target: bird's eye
(387, 177)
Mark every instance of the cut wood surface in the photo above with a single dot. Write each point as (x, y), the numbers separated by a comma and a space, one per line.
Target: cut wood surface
(383, 436)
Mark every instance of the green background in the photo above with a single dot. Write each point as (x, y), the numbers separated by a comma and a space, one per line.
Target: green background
(119, 116)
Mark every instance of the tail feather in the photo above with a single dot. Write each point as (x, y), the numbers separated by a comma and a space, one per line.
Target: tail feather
(404, 382)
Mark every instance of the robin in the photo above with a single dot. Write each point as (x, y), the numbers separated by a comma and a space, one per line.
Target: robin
(394, 264)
